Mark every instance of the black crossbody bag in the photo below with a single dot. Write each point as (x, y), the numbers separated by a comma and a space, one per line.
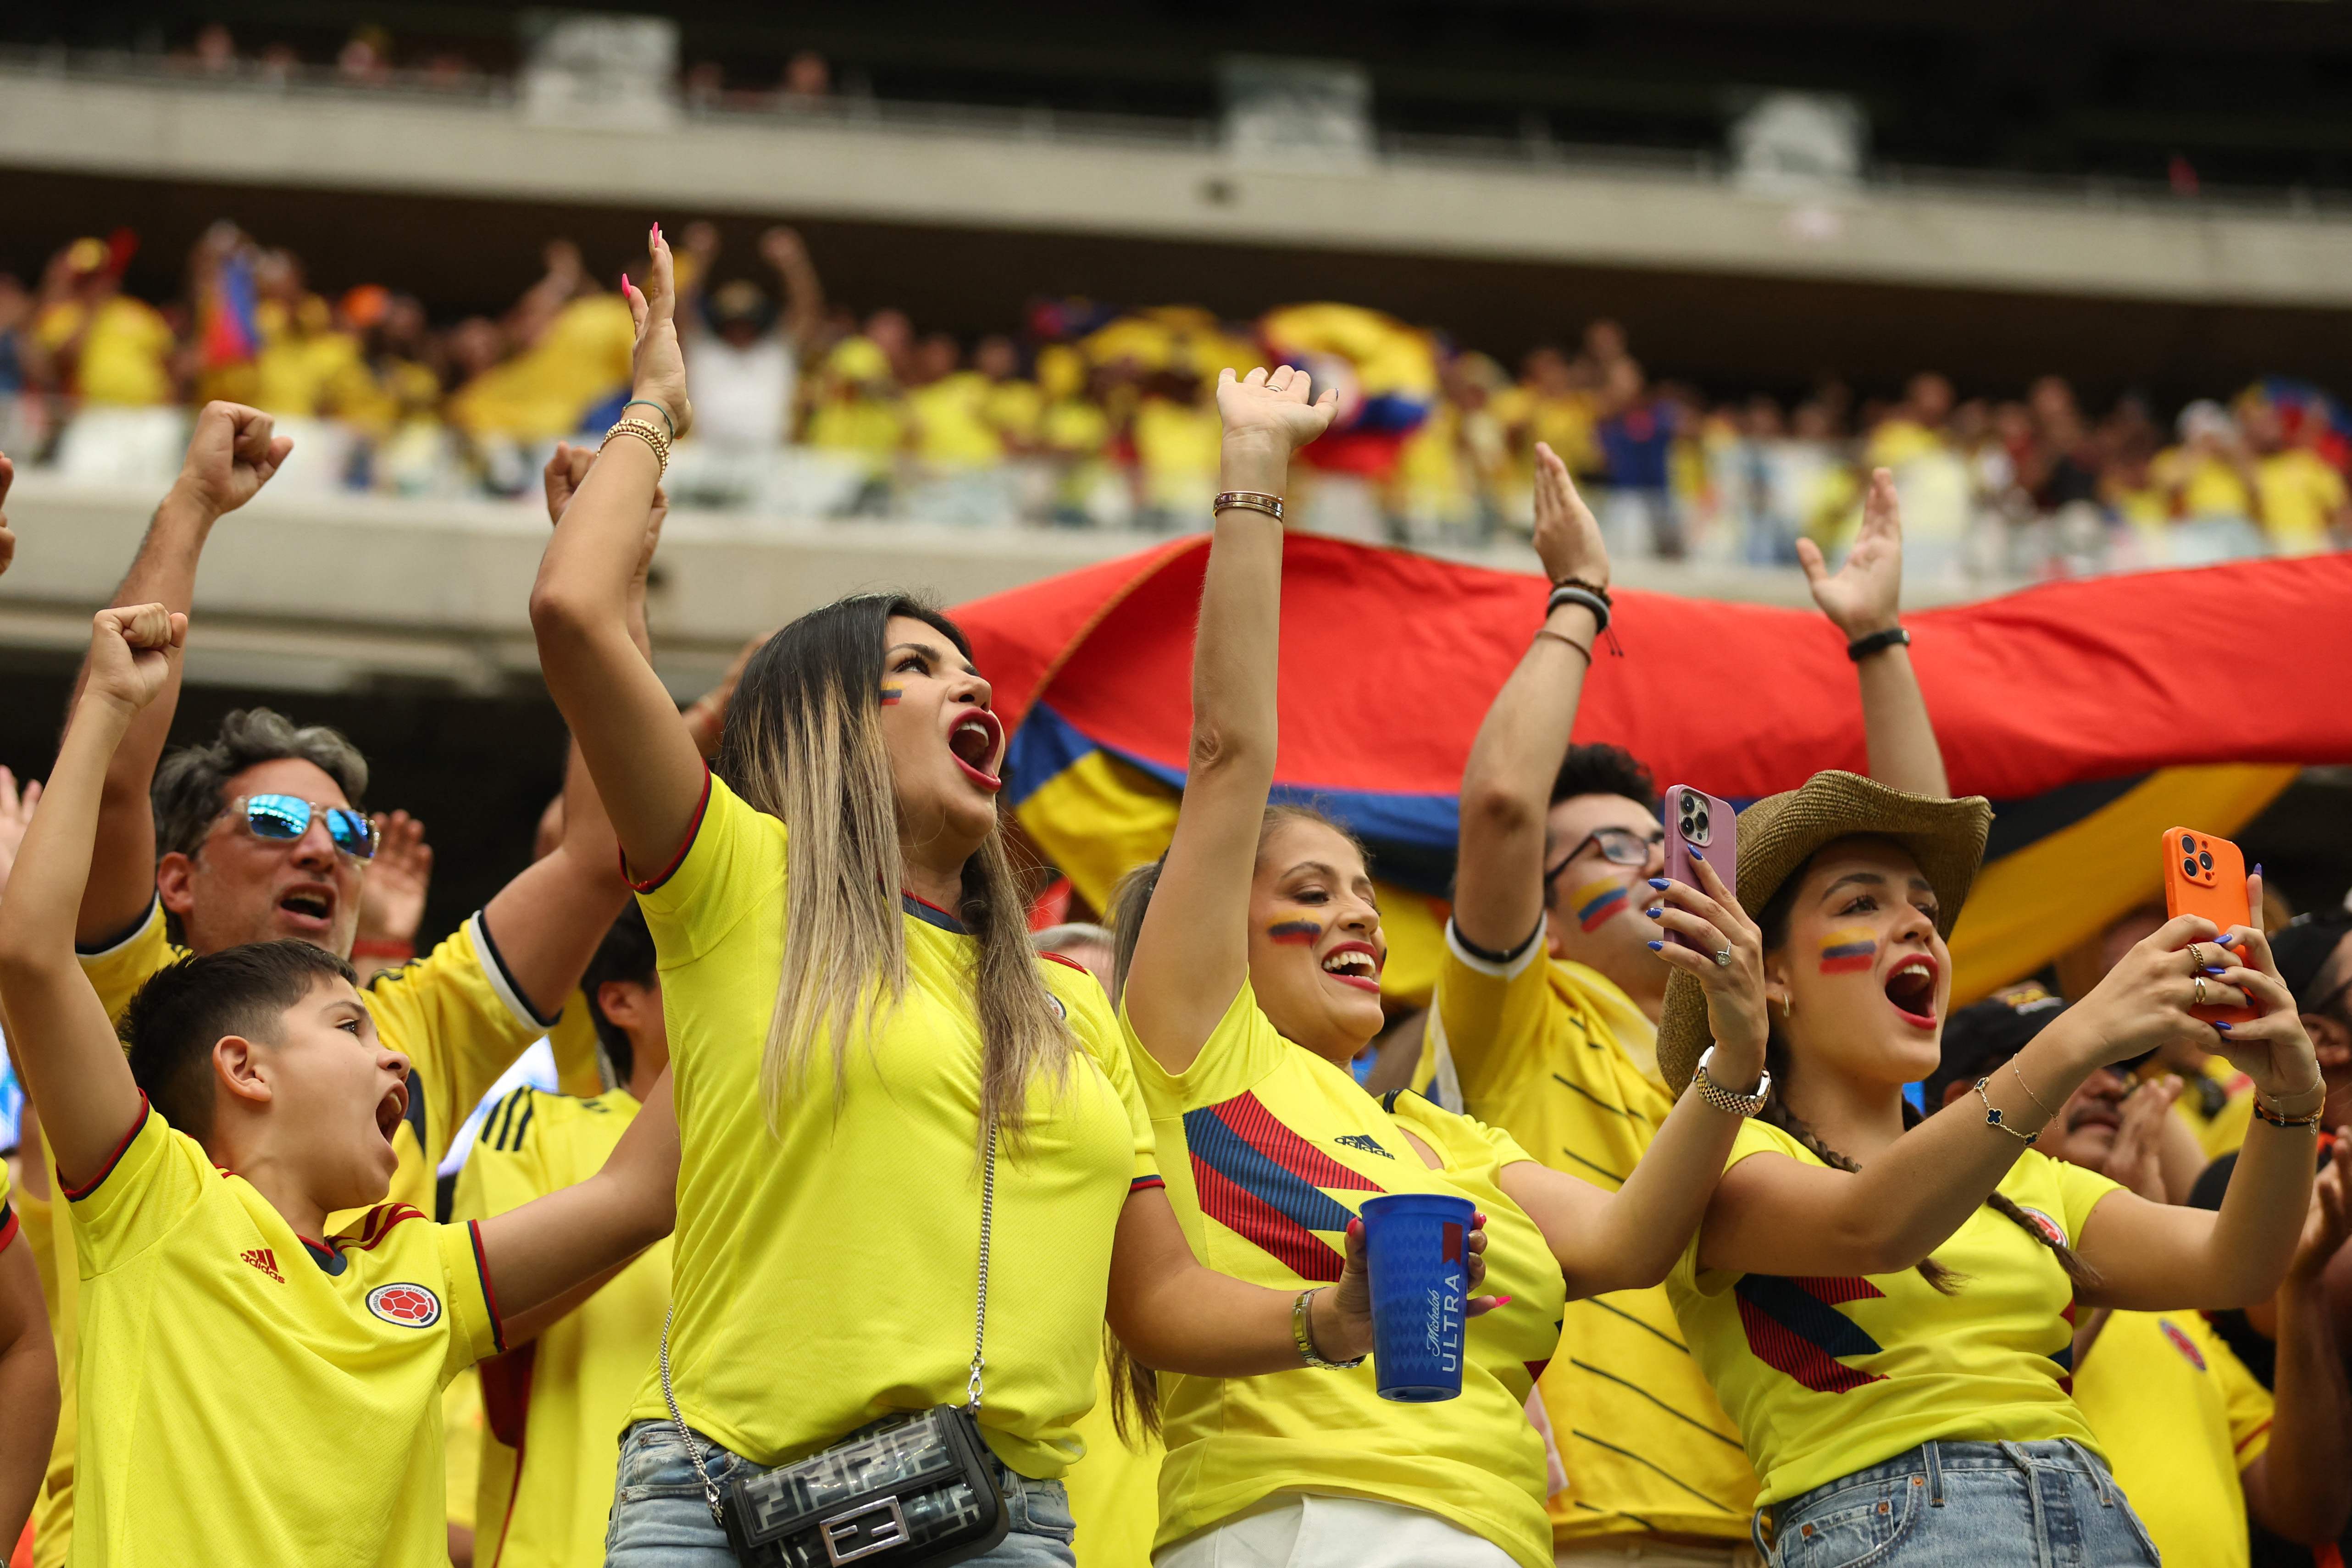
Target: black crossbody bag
(905, 1491)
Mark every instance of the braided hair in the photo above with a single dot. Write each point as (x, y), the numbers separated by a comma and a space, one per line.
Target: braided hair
(1773, 922)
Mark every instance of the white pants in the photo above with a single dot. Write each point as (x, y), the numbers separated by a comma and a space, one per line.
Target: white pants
(1303, 1530)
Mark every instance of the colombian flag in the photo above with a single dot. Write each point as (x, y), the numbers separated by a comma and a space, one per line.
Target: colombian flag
(2076, 706)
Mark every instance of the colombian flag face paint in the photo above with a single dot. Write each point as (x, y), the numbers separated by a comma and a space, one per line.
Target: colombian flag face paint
(1595, 902)
(1300, 932)
(890, 695)
(1848, 950)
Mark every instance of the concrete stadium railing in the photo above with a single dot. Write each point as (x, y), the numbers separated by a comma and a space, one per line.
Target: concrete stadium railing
(337, 593)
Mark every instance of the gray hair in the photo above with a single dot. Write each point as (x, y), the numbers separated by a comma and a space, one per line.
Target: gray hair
(189, 783)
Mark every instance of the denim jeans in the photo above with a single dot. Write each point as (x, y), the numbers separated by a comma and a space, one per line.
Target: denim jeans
(660, 1520)
(1962, 1505)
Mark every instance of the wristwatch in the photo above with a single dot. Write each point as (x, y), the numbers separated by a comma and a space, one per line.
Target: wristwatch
(1723, 1099)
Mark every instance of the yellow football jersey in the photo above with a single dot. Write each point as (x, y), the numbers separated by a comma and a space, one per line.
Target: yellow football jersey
(882, 1180)
(2179, 1417)
(1562, 1059)
(249, 1395)
(1828, 1376)
(1279, 1148)
(457, 1015)
(554, 1408)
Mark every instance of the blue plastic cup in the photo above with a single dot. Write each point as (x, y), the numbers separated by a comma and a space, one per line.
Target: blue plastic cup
(1418, 1249)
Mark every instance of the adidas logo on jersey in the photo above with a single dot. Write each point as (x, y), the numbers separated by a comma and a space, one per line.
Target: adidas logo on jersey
(1365, 1141)
(263, 1259)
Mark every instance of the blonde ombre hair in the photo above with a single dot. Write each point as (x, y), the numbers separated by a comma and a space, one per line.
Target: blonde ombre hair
(802, 744)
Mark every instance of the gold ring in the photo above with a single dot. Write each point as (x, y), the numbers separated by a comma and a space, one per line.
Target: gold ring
(2196, 960)
(2199, 992)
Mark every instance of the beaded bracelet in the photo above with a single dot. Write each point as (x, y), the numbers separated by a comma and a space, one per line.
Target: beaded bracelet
(642, 429)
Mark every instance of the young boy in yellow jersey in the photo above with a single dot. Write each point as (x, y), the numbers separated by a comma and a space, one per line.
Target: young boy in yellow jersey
(2195, 1440)
(554, 1406)
(1544, 1025)
(248, 1391)
(28, 1376)
(227, 873)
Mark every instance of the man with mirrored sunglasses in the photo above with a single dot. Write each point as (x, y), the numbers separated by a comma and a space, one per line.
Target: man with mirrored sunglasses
(1545, 1019)
(262, 836)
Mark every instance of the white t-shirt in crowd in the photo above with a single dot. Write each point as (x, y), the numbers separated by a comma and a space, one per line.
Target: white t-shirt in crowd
(742, 397)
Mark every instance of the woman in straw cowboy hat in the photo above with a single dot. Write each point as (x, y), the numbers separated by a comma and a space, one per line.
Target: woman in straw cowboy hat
(1252, 958)
(1885, 1303)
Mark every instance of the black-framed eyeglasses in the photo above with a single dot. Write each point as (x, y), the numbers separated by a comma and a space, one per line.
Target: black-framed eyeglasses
(1618, 846)
(282, 819)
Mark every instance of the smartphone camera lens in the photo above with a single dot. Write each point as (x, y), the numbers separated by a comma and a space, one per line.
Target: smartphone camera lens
(2189, 868)
(2205, 859)
(1699, 822)
(2187, 845)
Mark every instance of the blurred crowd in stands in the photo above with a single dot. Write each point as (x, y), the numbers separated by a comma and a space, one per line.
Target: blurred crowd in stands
(1088, 415)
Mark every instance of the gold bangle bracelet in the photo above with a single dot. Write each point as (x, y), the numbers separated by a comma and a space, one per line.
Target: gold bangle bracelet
(644, 430)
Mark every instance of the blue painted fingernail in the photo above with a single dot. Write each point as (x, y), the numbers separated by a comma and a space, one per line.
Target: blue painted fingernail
(2217, 1024)
(2215, 969)
(1661, 884)
(1657, 946)
(2258, 868)
(1654, 911)
(1698, 854)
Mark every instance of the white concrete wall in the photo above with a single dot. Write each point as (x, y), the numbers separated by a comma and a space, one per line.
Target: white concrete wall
(988, 174)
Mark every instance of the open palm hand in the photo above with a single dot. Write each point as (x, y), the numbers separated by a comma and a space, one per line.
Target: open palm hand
(1865, 594)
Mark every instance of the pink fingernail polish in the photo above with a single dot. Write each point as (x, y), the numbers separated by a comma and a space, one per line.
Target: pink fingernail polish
(1502, 1300)
(625, 283)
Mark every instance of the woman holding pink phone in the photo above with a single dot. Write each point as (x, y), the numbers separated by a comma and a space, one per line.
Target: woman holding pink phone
(1885, 1303)
(1250, 959)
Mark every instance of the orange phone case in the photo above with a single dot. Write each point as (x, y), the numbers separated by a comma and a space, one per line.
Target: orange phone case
(2205, 875)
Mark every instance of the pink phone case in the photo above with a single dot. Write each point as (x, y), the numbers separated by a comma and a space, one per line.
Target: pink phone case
(1694, 817)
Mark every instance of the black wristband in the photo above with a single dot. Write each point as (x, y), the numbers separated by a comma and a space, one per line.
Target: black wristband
(1861, 648)
(1573, 594)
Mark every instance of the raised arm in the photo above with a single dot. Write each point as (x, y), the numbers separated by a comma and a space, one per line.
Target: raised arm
(231, 455)
(1507, 784)
(803, 293)
(1772, 1215)
(58, 1029)
(1629, 1240)
(1193, 952)
(2301, 1486)
(638, 752)
(1863, 597)
(541, 1255)
(2153, 1255)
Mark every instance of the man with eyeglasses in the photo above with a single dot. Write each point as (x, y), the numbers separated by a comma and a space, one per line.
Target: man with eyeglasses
(262, 839)
(1545, 1018)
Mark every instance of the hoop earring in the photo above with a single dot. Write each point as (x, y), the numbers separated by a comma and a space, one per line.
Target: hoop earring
(1788, 1004)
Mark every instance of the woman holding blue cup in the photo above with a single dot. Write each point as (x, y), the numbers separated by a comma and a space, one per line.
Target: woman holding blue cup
(1250, 959)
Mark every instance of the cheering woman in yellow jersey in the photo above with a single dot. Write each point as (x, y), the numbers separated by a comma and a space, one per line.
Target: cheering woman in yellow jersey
(858, 1031)
(1252, 979)
(1886, 1304)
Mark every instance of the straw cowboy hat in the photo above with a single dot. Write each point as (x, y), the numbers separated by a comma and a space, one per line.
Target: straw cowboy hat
(1780, 833)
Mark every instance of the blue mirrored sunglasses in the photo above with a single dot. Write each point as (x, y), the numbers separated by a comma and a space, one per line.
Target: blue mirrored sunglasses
(287, 817)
